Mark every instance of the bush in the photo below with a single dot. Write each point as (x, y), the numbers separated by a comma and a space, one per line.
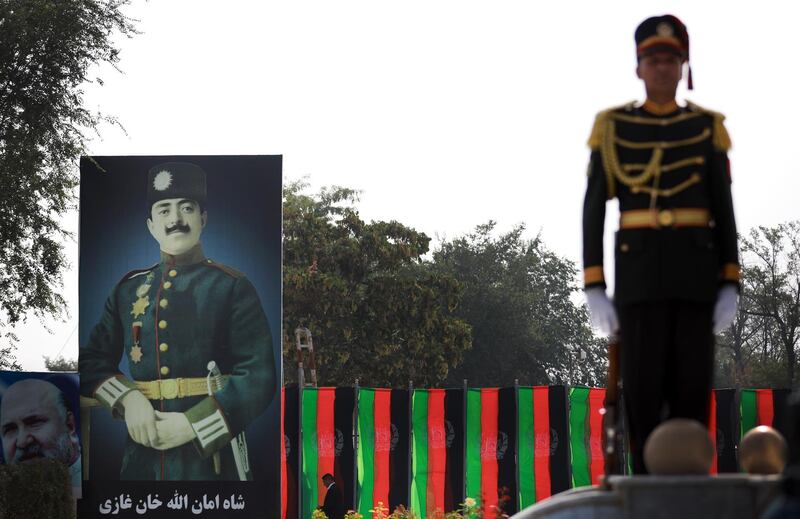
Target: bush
(39, 489)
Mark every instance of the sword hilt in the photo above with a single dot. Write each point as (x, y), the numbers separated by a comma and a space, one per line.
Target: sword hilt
(214, 378)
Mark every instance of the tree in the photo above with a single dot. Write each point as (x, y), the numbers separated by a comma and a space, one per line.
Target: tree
(518, 300)
(760, 348)
(46, 50)
(377, 311)
(7, 359)
(60, 364)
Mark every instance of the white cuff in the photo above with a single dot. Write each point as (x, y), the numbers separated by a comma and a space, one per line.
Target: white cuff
(111, 391)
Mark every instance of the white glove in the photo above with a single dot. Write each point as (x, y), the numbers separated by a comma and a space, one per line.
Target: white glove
(725, 309)
(601, 310)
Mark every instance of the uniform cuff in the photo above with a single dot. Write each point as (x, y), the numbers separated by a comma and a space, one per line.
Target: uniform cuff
(111, 391)
(593, 276)
(210, 427)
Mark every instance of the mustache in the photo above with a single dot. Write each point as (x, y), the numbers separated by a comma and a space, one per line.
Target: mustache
(34, 450)
(178, 227)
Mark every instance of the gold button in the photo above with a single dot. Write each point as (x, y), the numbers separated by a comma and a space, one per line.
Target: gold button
(173, 273)
(167, 284)
(163, 303)
(163, 346)
(666, 218)
(164, 370)
(624, 247)
(162, 324)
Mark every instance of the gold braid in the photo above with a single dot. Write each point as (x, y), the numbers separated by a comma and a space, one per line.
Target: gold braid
(612, 165)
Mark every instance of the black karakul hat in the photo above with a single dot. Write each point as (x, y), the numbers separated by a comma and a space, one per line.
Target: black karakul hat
(176, 180)
(662, 33)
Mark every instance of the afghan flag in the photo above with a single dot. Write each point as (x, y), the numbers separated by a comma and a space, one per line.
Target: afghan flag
(763, 407)
(543, 459)
(327, 425)
(374, 446)
(290, 461)
(723, 426)
(586, 435)
(491, 436)
(437, 450)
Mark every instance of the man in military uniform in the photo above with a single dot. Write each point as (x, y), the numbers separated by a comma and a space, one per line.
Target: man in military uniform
(676, 257)
(171, 321)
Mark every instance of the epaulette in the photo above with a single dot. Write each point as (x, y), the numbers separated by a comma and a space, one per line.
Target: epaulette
(224, 268)
(598, 130)
(720, 137)
(138, 272)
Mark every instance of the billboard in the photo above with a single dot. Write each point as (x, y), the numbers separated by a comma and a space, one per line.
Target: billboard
(180, 321)
(40, 418)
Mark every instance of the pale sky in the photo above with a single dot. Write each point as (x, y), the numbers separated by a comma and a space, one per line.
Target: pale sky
(445, 114)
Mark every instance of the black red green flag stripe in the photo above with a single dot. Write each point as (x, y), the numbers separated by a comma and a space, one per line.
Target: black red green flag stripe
(541, 435)
(560, 479)
(327, 424)
(585, 433)
(437, 451)
(374, 447)
(490, 442)
(506, 451)
(399, 449)
(454, 416)
(723, 425)
(762, 407)
(344, 460)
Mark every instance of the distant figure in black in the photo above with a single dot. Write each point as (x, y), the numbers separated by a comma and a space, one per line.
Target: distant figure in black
(333, 505)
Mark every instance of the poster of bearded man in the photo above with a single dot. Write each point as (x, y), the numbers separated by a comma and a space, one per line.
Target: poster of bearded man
(39, 418)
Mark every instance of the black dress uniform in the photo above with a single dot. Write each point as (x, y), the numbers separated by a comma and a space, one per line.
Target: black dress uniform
(333, 506)
(675, 246)
(171, 320)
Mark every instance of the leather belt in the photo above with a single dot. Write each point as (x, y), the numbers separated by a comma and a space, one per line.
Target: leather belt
(170, 388)
(660, 218)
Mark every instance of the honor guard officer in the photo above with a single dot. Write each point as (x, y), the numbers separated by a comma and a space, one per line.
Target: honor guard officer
(175, 321)
(676, 257)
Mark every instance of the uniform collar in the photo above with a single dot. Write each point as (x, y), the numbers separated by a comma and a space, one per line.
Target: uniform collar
(654, 108)
(190, 257)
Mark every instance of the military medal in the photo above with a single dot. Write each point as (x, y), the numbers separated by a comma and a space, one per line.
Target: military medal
(144, 300)
(136, 350)
(140, 306)
(142, 290)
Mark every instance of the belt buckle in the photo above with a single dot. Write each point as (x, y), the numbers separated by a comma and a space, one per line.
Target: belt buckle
(169, 388)
(666, 218)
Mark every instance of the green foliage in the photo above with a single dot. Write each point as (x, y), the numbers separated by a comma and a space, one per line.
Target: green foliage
(8, 361)
(38, 489)
(60, 364)
(518, 300)
(760, 348)
(381, 313)
(377, 312)
(46, 50)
